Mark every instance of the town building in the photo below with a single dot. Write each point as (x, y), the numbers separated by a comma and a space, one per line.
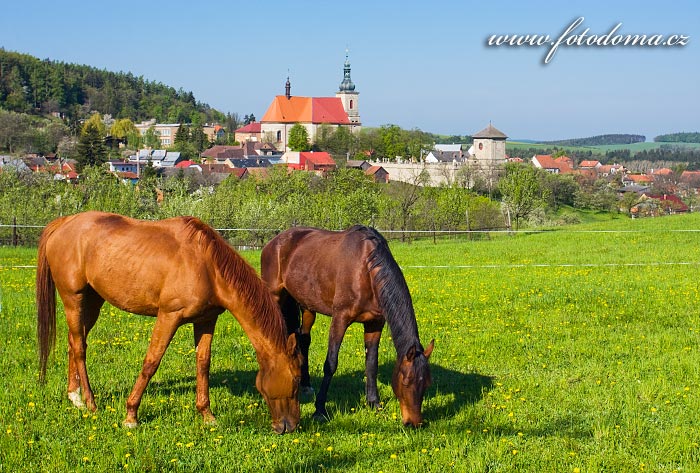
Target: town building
(311, 112)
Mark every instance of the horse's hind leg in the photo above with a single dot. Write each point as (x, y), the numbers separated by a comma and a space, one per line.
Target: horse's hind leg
(373, 332)
(335, 338)
(203, 334)
(82, 311)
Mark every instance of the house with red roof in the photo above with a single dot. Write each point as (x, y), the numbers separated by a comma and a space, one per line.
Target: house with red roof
(378, 174)
(560, 165)
(641, 179)
(251, 132)
(589, 164)
(287, 110)
(319, 161)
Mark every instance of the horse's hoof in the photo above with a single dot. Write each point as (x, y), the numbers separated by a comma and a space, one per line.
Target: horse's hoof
(321, 416)
(306, 393)
(210, 421)
(374, 405)
(130, 423)
(76, 399)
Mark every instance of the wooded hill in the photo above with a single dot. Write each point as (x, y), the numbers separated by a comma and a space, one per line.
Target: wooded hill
(614, 139)
(43, 87)
(679, 138)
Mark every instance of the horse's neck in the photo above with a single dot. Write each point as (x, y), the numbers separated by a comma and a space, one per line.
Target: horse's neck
(261, 340)
(404, 331)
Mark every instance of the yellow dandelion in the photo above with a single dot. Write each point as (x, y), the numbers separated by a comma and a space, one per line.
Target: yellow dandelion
(393, 456)
(329, 448)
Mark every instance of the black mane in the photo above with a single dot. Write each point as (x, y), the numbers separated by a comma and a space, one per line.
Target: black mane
(392, 292)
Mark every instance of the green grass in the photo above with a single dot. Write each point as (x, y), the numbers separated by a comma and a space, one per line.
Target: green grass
(555, 351)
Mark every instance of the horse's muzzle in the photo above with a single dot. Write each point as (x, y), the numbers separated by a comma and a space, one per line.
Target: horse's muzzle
(283, 426)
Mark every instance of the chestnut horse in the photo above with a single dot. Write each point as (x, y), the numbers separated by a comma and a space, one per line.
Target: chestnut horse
(353, 277)
(177, 270)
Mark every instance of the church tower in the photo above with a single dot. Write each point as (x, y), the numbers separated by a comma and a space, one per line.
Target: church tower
(347, 95)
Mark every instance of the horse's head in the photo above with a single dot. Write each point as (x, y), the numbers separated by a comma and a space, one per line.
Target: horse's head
(278, 382)
(410, 381)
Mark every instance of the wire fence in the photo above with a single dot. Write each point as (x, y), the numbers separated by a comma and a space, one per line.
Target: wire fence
(21, 235)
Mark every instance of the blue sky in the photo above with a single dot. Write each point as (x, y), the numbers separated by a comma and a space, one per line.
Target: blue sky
(415, 64)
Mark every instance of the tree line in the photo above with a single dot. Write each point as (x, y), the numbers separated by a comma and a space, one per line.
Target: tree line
(252, 209)
(612, 139)
(679, 138)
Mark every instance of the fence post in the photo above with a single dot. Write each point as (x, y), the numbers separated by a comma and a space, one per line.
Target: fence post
(14, 231)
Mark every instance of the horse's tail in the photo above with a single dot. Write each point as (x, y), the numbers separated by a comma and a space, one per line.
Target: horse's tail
(45, 300)
(291, 313)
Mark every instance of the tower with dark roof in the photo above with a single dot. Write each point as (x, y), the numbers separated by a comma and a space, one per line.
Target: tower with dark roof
(489, 149)
(347, 94)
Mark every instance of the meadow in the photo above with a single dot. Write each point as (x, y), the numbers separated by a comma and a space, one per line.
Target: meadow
(570, 350)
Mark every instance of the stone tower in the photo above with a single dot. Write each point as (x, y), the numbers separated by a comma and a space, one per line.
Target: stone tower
(489, 149)
(348, 96)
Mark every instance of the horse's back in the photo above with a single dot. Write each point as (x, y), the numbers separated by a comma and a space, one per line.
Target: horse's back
(129, 262)
(321, 269)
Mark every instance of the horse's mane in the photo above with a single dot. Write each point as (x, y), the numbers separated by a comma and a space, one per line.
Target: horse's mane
(392, 292)
(241, 277)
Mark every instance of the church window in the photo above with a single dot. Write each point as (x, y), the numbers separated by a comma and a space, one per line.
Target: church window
(279, 136)
(351, 104)
(481, 146)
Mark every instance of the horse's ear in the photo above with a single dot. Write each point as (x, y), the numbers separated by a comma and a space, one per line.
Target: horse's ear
(429, 350)
(411, 354)
(292, 344)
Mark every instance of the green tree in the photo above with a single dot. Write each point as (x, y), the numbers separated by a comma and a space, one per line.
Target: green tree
(91, 149)
(298, 138)
(123, 129)
(392, 144)
(522, 191)
(151, 138)
(198, 138)
(96, 120)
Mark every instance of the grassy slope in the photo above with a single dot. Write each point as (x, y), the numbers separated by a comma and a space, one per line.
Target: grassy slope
(513, 147)
(575, 348)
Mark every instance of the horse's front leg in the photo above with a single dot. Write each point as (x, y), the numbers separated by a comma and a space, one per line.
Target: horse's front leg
(307, 322)
(163, 331)
(335, 338)
(373, 332)
(203, 335)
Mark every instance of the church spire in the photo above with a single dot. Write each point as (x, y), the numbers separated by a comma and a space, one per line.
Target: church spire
(288, 89)
(346, 85)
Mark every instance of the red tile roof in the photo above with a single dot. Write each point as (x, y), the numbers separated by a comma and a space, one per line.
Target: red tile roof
(317, 158)
(547, 162)
(306, 110)
(253, 127)
(640, 178)
(675, 201)
(184, 164)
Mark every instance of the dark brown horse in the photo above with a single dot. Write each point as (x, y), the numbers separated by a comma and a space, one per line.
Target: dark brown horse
(177, 270)
(353, 277)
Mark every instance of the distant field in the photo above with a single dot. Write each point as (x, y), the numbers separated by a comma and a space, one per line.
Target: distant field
(572, 350)
(635, 147)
